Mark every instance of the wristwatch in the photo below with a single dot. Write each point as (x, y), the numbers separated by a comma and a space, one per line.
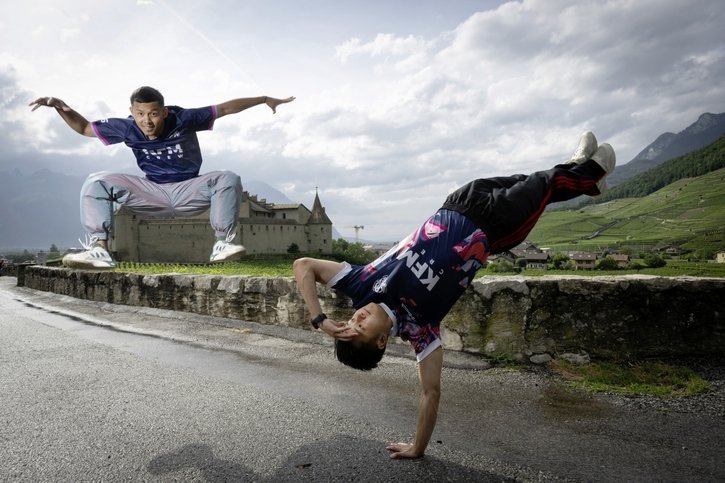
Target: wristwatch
(318, 320)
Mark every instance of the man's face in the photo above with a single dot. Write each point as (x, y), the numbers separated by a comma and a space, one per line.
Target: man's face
(149, 117)
(370, 323)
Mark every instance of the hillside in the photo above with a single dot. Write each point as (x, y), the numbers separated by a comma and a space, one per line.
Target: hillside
(689, 213)
(696, 163)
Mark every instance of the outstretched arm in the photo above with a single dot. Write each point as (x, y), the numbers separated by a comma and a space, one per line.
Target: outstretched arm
(429, 375)
(308, 273)
(238, 105)
(76, 122)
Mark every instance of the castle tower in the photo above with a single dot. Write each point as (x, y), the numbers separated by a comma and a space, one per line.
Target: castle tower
(319, 228)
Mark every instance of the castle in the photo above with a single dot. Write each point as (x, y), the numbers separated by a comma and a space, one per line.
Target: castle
(263, 228)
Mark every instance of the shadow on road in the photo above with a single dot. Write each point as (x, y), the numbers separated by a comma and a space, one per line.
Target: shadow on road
(339, 459)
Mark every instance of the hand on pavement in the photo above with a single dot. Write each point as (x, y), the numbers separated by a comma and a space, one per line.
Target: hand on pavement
(403, 450)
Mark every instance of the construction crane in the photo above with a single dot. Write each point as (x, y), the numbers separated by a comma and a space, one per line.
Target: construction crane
(357, 229)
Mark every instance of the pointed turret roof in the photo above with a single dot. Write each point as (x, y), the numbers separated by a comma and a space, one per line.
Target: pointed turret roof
(318, 214)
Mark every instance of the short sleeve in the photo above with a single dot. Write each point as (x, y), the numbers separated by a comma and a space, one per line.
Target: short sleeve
(198, 118)
(112, 130)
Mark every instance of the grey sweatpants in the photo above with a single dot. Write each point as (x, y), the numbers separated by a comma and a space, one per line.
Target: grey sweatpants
(218, 191)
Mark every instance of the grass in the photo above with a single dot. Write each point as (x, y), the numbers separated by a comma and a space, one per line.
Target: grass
(267, 266)
(674, 268)
(648, 378)
(689, 212)
(281, 266)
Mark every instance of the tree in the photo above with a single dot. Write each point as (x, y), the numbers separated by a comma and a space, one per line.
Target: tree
(607, 263)
(654, 261)
(501, 266)
(354, 253)
(636, 266)
(293, 248)
(559, 261)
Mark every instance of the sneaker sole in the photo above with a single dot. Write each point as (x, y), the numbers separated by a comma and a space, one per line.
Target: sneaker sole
(88, 265)
(231, 257)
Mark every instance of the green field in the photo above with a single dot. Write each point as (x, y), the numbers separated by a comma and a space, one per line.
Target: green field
(689, 213)
(674, 268)
(258, 266)
(281, 266)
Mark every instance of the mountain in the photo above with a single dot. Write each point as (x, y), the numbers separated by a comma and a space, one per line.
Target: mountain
(706, 130)
(267, 192)
(42, 208)
(39, 209)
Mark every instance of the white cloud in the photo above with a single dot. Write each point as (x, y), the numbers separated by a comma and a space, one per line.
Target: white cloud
(387, 120)
(383, 45)
(69, 34)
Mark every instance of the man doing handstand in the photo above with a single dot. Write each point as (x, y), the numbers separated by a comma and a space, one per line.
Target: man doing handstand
(408, 291)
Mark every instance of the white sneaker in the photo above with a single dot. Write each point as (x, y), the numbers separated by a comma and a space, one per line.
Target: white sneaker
(586, 149)
(94, 256)
(224, 251)
(605, 158)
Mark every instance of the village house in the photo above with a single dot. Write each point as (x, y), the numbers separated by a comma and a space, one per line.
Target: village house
(672, 250)
(264, 228)
(535, 258)
(584, 260)
(622, 260)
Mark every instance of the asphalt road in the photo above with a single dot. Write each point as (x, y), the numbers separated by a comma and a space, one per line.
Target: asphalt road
(97, 392)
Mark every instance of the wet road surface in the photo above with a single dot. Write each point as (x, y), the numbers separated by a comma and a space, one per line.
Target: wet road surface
(96, 392)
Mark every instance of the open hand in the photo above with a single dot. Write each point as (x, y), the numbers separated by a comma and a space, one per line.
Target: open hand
(403, 450)
(273, 102)
(50, 102)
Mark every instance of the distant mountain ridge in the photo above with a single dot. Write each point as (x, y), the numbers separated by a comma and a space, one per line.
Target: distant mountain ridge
(269, 193)
(706, 130)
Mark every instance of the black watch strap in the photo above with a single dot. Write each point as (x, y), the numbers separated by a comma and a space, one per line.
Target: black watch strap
(318, 320)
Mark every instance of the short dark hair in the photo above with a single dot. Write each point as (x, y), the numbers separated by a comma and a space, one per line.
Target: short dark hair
(146, 94)
(359, 356)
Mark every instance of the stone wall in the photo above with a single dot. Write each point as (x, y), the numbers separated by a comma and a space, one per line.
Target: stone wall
(505, 317)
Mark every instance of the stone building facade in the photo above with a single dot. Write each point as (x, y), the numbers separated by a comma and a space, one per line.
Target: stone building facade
(263, 228)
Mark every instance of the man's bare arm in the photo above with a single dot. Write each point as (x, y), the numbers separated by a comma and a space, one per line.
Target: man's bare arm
(429, 375)
(238, 105)
(76, 122)
(308, 273)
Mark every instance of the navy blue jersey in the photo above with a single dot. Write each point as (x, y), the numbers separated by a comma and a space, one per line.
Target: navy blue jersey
(175, 155)
(420, 279)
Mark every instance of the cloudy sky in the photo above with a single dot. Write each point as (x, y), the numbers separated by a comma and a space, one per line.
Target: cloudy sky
(398, 103)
